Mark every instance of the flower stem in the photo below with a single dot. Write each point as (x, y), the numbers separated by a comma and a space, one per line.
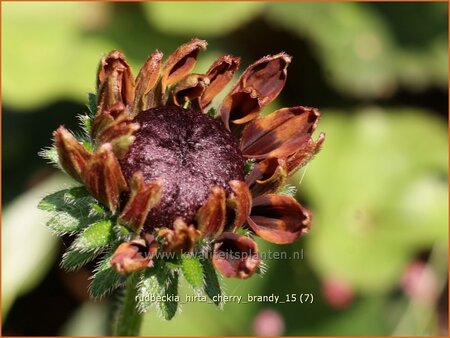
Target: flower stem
(127, 319)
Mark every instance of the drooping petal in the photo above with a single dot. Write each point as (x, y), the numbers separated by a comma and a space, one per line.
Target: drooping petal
(147, 93)
(219, 74)
(72, 155)
(181, 239)
(240, 201)
(115, 83)
(240, 107)
(143, 197)
(134, 256)
(103, 177)
(267, 176)
(181, 62)
(304, 154)
(279, 134)
(278, 219)
(235, 255)
(190, 88)
(212, 215)
(267, 76)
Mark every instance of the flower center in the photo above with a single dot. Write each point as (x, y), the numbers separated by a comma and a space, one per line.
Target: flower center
(190, 151)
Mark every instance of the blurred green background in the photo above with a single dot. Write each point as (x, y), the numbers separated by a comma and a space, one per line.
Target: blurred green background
(376, 259)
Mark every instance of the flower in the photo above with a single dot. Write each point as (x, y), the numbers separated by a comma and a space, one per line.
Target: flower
(172, 170)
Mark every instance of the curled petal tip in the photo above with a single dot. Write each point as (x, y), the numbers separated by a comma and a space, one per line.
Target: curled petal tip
(115, 82)
(190, 88)
(144, 196)
(240, 107)
(133, 256)
(279, 219)
(304, 154)
(72, 155)
(181, 239)
(220, 74)
(147, 84)
(103, 177)
(267, 176)
(240, 201)
(212, 215)
(181, 62)
(235, 256)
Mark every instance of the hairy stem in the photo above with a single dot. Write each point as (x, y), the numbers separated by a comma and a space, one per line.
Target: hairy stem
(127, 320)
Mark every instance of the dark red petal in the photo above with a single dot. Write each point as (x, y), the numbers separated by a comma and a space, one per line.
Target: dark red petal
(181, 239)
(144, 196)
(115, 83)
(103, 177)
(220, 74)
(235, 255)
(278, 219)
(240, 107)
(181, 62)
(304, 154)
(212, 215)
(72, 155)
(279, 134)
(240, 201)
(267, 176)
(190, 88)
(147, 93)
(133, 256)
(267, 76)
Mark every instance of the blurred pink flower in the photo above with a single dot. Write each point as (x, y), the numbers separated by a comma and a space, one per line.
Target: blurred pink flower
(268, 322)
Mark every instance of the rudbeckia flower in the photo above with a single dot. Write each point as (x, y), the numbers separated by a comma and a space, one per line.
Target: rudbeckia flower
(184, 177)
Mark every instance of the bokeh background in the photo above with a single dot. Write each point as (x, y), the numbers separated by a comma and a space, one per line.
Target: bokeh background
(376, 260)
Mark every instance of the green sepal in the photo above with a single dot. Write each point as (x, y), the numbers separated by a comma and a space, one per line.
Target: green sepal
(63, 200)
(192, 270)
(73, 259)
(249, 165)
(212, 112)
(211, 284)
(158, 281)
(97, 236)
(105, 278)
(122, 232)
(51, 155)
(92, 104)
(288, 189)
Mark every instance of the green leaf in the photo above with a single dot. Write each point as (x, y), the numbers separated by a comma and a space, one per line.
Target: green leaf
(105, 278)
(71, 208)
(73, 260)
(159, 282)
(96, 236)
(192, 270)
(211, 282)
